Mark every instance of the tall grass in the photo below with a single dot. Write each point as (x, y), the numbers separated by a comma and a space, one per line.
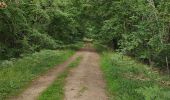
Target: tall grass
(128, 79)
(16, 75)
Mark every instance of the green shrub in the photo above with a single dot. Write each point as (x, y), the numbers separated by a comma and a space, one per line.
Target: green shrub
(41, 41)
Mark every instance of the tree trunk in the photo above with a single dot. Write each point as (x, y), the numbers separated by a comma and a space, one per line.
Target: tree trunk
(167, 64)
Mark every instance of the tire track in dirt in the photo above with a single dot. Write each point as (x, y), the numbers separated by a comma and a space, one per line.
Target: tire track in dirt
(86, 82)
(42, 82)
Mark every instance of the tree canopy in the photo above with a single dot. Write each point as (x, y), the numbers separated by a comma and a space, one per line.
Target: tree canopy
(139, 28)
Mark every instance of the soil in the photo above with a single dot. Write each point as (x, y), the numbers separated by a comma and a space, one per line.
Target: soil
(86, 82)
(41, 83)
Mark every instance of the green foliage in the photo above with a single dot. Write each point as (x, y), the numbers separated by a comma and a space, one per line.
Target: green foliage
(130, 80)
(15, 75)
(41, 41)
(153, 93)
(139, 28)
(29, 26)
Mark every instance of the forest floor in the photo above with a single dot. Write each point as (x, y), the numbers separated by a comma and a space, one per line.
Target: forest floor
(83, 82)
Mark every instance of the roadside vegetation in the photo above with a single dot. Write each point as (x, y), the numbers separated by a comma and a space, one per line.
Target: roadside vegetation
(30, 26)
(15, 75)
(128, 79)
(56, 90)
(31, 29)
(138, 28)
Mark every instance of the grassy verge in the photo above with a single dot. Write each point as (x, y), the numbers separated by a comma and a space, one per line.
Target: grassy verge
(128, 79)
(16, 75)
(56, 90)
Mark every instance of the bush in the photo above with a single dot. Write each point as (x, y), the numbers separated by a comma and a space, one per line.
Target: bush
(29, 26)
(41, 41)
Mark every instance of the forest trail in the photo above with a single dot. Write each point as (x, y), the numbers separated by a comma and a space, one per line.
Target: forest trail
(86, 82)
(41, 83)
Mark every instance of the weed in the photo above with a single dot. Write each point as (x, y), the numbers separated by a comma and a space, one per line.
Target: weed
(56, 90)
(15, 76)
(130, 80)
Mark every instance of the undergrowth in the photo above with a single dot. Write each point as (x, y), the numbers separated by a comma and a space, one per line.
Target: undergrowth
(17, 74)
(128, 79)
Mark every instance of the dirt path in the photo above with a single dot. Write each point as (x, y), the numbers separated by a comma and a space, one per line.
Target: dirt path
(86, 82)
(40, 84)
